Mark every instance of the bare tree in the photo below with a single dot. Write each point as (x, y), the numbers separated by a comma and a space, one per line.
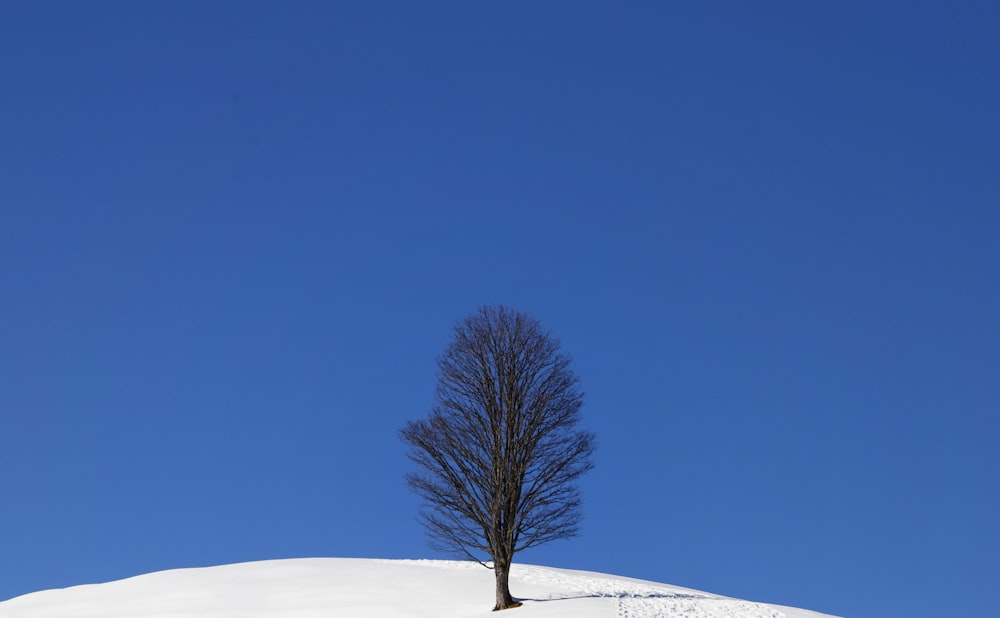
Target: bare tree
(499, 455)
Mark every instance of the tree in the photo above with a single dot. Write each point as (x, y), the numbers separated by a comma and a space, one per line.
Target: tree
(499, 454)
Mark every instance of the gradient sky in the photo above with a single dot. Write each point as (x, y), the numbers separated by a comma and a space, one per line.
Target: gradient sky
(234, 237)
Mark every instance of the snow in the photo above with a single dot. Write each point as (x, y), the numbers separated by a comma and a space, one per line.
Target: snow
(362, 588)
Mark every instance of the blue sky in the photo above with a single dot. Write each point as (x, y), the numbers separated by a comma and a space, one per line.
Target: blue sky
(234, 236)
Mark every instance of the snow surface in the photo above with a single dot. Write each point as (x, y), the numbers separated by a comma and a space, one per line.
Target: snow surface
(362, 588)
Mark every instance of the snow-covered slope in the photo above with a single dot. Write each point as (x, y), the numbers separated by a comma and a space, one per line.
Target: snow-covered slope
(345, 587)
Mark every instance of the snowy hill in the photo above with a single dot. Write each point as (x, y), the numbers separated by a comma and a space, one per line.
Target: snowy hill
(344, 587)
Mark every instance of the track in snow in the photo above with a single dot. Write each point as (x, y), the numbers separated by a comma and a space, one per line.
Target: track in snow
(634, 599)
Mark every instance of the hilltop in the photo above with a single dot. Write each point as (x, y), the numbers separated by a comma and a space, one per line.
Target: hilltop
(362, 588)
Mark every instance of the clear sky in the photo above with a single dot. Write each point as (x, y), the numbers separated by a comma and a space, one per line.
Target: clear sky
(234, 236)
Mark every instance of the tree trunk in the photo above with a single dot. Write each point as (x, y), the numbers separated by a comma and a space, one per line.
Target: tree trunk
(504, 600)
